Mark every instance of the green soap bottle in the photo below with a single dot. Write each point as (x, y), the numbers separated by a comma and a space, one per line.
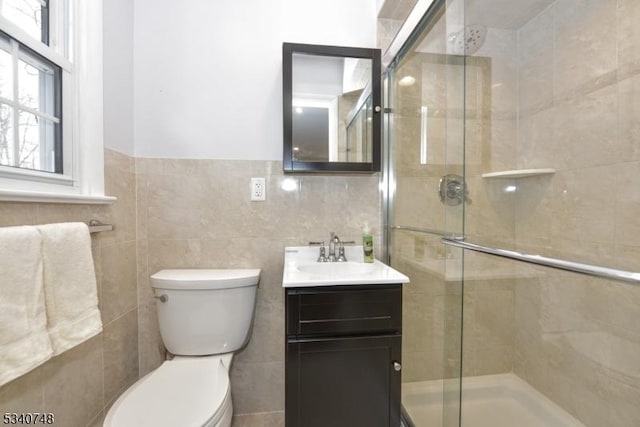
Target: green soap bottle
(367, 243)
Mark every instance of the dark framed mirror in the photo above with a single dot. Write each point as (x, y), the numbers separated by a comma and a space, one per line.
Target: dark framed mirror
(331, 108)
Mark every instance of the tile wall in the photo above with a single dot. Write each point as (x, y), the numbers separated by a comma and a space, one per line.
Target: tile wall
(180, 214)
(197, 214)
(579, 81)
(80, 384)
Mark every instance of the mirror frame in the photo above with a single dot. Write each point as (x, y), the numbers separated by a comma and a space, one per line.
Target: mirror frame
(291, 165)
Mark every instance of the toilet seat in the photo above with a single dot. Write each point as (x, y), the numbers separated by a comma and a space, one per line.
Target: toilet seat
(185, 391)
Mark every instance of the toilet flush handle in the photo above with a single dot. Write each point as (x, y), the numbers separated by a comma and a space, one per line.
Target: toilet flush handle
(162, 298)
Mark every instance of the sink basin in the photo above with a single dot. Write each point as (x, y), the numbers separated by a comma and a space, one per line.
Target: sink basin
(337, 268)
(301, 269)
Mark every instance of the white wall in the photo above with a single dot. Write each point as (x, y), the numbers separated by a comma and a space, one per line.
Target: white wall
(208, 74)
(118, 75)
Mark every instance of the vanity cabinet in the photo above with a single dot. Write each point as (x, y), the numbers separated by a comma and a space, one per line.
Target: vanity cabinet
(343, 355)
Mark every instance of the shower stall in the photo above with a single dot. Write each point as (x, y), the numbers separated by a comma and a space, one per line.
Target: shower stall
(513, 189)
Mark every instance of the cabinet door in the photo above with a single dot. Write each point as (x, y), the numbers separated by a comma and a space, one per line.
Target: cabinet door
(348, 382)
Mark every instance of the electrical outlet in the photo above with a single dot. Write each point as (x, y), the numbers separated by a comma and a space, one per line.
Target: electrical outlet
(258, 189)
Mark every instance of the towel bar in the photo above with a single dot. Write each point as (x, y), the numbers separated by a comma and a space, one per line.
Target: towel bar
(96, 226)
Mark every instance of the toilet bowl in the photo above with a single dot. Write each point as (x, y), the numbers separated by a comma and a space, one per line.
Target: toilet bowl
(185, 391)
(204, 316)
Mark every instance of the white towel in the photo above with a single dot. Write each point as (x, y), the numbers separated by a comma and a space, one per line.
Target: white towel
(24, 342)
(70, 285)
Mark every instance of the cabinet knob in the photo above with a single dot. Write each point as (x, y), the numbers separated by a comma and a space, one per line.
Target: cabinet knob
(397, 366)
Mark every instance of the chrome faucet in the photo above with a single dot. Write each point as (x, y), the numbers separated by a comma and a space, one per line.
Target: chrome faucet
(332, 246)
(334, 243)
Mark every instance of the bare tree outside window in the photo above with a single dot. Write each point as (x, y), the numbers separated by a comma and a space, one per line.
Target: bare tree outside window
(29, 94)
(27, 14)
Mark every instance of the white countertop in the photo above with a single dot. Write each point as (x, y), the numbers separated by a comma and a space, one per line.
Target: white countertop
(301, 269)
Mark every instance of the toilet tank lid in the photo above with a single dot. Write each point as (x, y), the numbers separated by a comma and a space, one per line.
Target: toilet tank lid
(205, 278)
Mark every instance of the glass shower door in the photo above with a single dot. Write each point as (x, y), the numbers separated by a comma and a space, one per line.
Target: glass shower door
(427, 194)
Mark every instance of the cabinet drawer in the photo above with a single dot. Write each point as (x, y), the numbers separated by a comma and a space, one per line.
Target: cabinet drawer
(344, 310)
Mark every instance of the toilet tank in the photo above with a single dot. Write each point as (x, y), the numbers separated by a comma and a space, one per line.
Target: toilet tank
(204, 312)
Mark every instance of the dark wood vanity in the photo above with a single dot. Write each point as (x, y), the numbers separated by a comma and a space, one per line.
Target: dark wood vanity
(343, 354)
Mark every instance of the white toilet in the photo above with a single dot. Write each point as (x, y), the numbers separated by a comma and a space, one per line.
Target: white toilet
(204, 316)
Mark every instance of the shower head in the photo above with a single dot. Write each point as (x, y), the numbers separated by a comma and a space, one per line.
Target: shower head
(467, 40)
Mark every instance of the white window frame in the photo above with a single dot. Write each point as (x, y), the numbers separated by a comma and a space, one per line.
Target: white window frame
(77, 37)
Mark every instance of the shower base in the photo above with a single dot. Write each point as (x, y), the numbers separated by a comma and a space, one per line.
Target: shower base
(502, 400)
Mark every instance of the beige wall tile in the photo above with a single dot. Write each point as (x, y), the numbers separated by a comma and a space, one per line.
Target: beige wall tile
(73, 384)
(535, 62)
(628, 32)
(502, 47)
(197, 214)
(267, 343)
(263, 419)
(257, 387)
(534, 215)
(584, 44)
(120, 354)
(98, 421)
(584, 131)
(24, 394)
(17, 214)
(119, 280)
(584, 204)
(150, 347)
(536, 142)
(628, 113)
(627, 220)
(499, 153)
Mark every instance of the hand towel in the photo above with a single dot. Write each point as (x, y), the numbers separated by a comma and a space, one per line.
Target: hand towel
(24, 341)
(71, 295)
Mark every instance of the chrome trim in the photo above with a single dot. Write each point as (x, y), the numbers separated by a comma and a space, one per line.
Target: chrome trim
(560, 264)
(405, 31)
(96, 226)
(440, 233)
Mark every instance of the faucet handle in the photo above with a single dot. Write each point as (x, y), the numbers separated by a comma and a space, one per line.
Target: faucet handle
(322, 257)
(341, 256)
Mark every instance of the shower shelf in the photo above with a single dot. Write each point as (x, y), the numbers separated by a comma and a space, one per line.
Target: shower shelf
(518, 173)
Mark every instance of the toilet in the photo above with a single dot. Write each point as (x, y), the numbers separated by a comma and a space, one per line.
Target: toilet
(204, 316)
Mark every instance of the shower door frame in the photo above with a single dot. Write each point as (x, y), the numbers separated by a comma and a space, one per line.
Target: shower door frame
(413, 28)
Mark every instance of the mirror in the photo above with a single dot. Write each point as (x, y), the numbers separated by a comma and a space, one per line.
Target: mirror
(331, 108)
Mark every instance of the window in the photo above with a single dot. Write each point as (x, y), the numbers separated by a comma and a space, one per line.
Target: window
(30, 109)
(30, 15)
(30, 90)
(51, 100)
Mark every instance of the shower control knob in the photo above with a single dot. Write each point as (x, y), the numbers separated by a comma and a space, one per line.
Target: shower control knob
(397, 366)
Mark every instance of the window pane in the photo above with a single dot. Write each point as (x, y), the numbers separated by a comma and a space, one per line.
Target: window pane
(36, 143)
(6, 69)
(36, 81)
(27, 14)
(6, 135)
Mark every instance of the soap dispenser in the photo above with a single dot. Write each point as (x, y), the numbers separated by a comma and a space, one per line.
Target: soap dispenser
(367, 243)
